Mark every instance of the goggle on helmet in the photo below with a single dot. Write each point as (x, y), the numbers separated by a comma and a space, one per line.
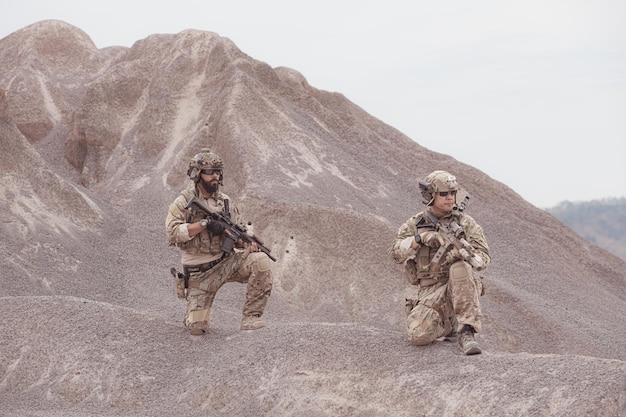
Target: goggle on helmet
(205, 160)
(435, 182)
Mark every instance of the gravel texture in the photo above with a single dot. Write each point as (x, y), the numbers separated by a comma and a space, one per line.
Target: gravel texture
(95, 145)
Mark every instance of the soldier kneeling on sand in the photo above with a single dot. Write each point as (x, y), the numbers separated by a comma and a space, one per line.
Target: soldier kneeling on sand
(442, 249)
(206, 267)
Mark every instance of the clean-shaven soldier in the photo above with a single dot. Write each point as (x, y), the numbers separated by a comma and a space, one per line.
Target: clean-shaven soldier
(447, 301)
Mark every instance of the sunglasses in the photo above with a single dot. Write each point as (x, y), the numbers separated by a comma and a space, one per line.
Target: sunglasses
(211, 171)
(445, 193)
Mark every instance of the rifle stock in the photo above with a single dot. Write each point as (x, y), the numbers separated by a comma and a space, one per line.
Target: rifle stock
(234, 231)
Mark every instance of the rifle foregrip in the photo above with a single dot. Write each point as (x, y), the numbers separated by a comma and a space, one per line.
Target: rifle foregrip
(477, 263)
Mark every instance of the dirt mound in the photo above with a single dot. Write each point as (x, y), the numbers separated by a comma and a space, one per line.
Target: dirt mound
(95, 145)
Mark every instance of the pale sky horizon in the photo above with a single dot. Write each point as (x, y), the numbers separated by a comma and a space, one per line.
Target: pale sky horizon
(528, 92)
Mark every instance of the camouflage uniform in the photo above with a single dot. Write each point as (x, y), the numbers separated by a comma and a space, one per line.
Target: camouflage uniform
(441, 306)
(209, 268)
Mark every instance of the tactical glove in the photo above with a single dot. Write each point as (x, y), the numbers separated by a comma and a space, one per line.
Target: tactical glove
(453, 256)
(215, 228)
(432, 239)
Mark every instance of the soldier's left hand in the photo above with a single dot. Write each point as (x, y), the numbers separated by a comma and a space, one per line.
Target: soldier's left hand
(253, 246)
(453, 255)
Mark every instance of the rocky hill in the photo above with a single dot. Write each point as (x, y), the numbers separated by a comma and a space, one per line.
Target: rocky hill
(95, 144)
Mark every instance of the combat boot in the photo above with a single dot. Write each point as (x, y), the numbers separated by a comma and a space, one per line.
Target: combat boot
(451, 337)
(252, 323)
(469, 346)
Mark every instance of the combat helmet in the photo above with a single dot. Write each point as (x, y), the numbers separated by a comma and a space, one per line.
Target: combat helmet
(204, 160)
(437, 181)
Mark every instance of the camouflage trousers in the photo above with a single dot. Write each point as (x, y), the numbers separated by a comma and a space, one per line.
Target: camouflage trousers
(445, 307)
(251, 268)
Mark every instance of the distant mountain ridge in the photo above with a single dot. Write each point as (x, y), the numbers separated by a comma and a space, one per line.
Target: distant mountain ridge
(602, 222)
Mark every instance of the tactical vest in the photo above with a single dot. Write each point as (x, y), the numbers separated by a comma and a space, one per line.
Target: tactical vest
(421, 267)
(203, 242)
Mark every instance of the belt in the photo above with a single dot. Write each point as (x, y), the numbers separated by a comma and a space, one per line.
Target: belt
(194, 269)
(432, 280)
(427, 282)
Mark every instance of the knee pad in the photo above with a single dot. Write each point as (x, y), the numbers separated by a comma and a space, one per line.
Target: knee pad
(460, 271)
(463, 276)
(255, 262)
(263, 263)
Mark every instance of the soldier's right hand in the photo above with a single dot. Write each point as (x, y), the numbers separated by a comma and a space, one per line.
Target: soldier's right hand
(215, 227)
(432, 239)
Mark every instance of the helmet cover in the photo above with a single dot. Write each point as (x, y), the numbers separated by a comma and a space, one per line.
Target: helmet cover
(437, 181)
(204, 160)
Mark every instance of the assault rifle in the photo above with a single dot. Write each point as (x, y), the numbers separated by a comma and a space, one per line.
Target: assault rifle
(233, 232)
(454, 237)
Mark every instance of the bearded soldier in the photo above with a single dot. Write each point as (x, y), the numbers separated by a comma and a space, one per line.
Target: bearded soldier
(447, 300)
(206, 267)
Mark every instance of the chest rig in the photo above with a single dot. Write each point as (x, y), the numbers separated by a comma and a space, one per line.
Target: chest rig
(205, 242)
(421, 270)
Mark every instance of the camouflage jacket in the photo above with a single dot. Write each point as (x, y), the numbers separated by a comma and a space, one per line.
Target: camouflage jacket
(418, 263)
(204, 246)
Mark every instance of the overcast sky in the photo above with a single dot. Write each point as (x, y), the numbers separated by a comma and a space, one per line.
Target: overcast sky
(533, 93)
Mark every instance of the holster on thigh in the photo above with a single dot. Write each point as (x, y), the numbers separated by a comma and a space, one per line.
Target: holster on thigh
(411, 295)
